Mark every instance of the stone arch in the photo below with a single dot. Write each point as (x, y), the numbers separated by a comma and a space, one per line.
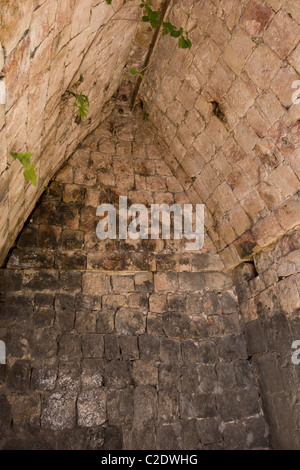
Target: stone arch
(200, 339)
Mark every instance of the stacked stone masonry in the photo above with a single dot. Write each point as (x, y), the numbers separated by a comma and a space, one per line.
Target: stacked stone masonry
(140, 344)
(152, 357)
(226, 112)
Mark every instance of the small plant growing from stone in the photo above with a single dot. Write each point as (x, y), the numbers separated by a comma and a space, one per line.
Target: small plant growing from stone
(135, 71)
(82, 103)
(24, 159)
(152, 16)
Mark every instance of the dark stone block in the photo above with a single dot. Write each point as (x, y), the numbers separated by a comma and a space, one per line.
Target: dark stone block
(69, 347)
(169, 437)
(10, 280)
(232, 324)
(244, 374)
(177, 325)
(268, 373)
(70, 282)
(129, 347)
(49, 237)
(65, 312)
(142, 438)
(191, 281)
(207, 378)
(92, 373)
(94, 438)
(235, 436)
(255, 338)
(19, 376)
(120, 407)
(18, 342)
(279, 335)
(149, 347)
(208, 353)
(71, 440)
(92, 346)
(144, 282)
(176, 302)
(211, 304)
(106, 321)
(249, 402)
(169, 351)
(189, 379)
(113, 438)
(43, 376)
(168, 376)
(226, 376)
(197, 405)
(145, 405)
(209, 430)
(258, 434)
(72, 261)
(232, 347)
(229, 303)
(189, 352)
(26, 413)
(168, 407)
(85, 302)
(69, 376)
(118, 375)
(190, 435)
(44, 300)
(228, 405)
(112, 347)
(5, 412)
(28, 237)
(41, 280)
(43, 317)
(38, 259)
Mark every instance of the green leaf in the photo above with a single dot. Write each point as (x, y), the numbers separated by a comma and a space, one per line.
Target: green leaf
(175, 34)
(145, 19)
(24, 158)
(183, 44)
(30, 174)
(135, 71)
(108, 2)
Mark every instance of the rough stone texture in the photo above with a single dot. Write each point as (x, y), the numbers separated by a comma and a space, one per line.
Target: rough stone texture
(185, 374)
(107, 349)
(236, 140)
(99, 332)
(269, 298)
(48, 49)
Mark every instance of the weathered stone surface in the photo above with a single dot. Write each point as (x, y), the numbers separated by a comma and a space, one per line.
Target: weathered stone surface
(59, 411)
(91, 408)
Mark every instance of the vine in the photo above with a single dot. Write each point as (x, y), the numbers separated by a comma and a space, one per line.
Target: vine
(24, 159)
(82, 103)
(152, 16)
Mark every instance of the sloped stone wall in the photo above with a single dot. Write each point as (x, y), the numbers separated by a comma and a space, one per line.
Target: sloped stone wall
(269, 298)
(226, 113)
(120, 345)
(47, 47)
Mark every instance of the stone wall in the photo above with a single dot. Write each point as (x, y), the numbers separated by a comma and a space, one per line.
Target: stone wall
(223, 131)
(269, 298)
(120, 344)
(47, 47)
(225, 111)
